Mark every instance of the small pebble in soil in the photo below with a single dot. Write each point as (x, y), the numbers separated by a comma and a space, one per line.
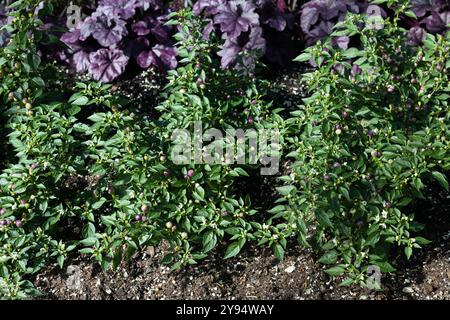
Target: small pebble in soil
(289, 269)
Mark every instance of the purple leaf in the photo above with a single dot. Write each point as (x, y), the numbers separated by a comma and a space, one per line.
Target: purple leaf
(81, 61)
(355, 70)
(437, 22)
(250, 48)
(107, 64)
(107, 30)
(160, 56)
(341, 42)
(147, 4)
(124, 9)
(236, 16)
(209, 6)
(140, 28)
(415, 36)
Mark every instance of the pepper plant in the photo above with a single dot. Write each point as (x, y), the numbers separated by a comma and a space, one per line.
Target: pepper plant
(371, 135)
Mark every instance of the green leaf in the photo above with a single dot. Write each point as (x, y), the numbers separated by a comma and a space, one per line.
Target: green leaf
(98, 204)
(408, 252)
(81, 101)
(285, 190)
(303, 57)
(329, 258)
(441, 179)
(421, 240)
(234, 248)
(60, 261)
(346, 282)
(278, 251)
(351, 53)
(411, 14)
(335, 271)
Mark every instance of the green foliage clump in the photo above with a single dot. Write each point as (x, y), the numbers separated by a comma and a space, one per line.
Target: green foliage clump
(374, 131)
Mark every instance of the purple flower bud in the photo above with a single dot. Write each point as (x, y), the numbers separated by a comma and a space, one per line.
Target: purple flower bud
(199, 81)
(19, 223)
(2, 211)
(250, 120)
(336, 165)
(390, 88)
(439, 67)
(359, 224)
(387, 204)
(138, 217)
(413, 80)
(338, 127)
(33, 166)
(190, 173)
(344, 114)
(254, 102)
(375, 154)
(7, 222)
(370, 133)
(144, 208)
(2, 222)
(23, 202)
(166, 173)
(326, 177)
(224, 213)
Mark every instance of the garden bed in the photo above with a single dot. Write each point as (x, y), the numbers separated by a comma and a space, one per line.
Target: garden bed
(226, 150)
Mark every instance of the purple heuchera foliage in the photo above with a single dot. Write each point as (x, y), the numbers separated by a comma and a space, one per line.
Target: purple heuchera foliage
(107, 29)
(318, 17)
(106, 64)
(241, 23)
(235, 17)
(120, 36)
(161, 56)
(416, 36)
(4, 19)
(233, 47)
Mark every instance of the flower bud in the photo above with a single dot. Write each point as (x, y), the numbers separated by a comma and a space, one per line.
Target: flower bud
(326, 177)
(138, 217)
(375, 154)
(144, 208)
